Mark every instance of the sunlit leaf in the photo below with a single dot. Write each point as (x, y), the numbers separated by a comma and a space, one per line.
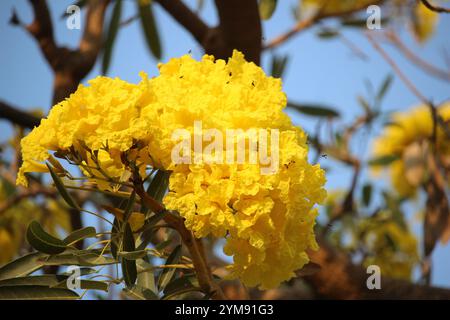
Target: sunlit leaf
(267, 8)
(36, 293)
(383, 160)
(22, 266)
(314, 110)
(61, 189)
(80, 234)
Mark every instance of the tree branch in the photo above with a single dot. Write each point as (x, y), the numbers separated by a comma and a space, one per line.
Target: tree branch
(434, 8)
(239, 28)
(187, 18)
(307, 23)
(339, 278)
(17, 116)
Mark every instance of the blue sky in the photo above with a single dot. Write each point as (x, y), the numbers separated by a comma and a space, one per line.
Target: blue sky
(325, 72)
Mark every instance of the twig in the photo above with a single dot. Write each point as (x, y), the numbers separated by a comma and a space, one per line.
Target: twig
(307, 23)
(434, 8)
(427, 67)
(16, 116)
(397, 70)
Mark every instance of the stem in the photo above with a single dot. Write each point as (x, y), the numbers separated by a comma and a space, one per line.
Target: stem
(194, 245)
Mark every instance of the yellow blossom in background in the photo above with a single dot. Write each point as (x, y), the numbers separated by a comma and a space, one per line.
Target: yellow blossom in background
(424, 22)
(267, 220)
(8, 246)
(392, 248)
(407, 137)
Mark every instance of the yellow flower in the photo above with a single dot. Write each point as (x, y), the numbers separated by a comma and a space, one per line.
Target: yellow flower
(8, 247)
(392, 248)
(424, 22)
(267, 219)
(406, 137)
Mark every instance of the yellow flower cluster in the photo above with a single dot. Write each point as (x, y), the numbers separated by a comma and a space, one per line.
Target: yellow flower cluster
(406, 137)
(392, 248)
(267, 219)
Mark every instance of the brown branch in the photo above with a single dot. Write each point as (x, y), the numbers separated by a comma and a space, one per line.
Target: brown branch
(239, 28)
(187, 18)
(194, 245)
(309, 22)
(42, 30)
(434, 8)
(15, 199)
(16, 116)
(339, 278)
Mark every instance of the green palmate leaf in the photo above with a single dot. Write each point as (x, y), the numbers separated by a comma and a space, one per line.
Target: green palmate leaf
(42, 241)
(150, 29)
(383, 160)
(36, 293)
(384, 87)
(314, 110)
(267, 8)
(80, 234)
(129, 268)
(113, 28)
(168, 273)
(367, 194)
(23, 266)
(61, 189)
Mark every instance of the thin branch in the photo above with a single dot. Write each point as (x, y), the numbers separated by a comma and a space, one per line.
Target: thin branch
(426, 66)
(434, 8)
(307, 23)
(15, 199)
(397, 70)
(187, 18)
(16, 116)
(42, 30)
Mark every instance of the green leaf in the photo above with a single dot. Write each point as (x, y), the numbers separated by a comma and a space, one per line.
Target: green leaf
(367, 194)
(364, 104)
(61, 189)
(314, 110)
(383, 160)
(133, 255)
(115, 234)
(158, 186)
(146, 277)
(113, 28)
(129, 269)
(80, 234)
(129, 207)
(187, 283)
(52, 280)
(168, 273)
(85, 285)
(384, 87)
(22, 266)
(267, 8)
(278, 65)
(36, 293)
(87, 258)
(42, 241)
(150, 29)
(328, 33)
